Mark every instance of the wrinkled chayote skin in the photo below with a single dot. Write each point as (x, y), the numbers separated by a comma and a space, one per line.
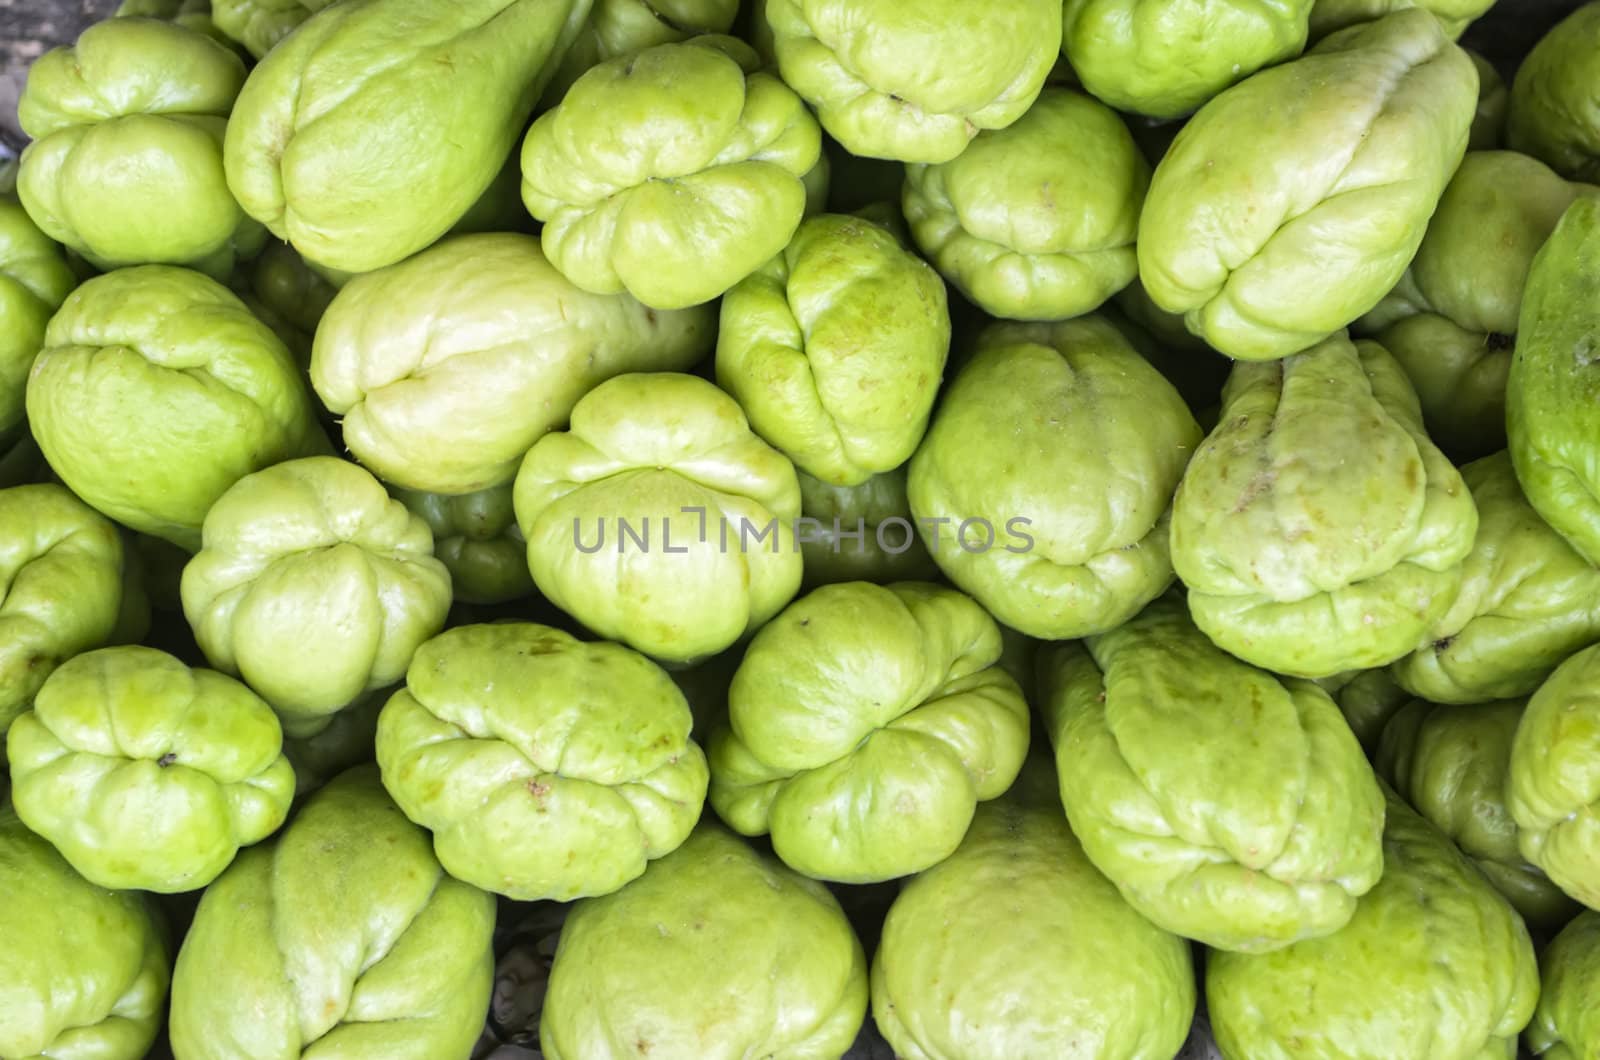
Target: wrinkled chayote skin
(146, 774)
(260, 24)
(156, 390)
(1227, 805)
(546, 767)
(1164, 58)
(447, 367)
(34, 280)
(1566, 1025)
(1368, 699)
(775, 967)
(66, 586)
(1554, 787)
(313, 149)
(1555, 98)
(1450, 764)
(475, 536)
(1489, 126)
(659, 519)
(1553, 391)
(83, 972)
(1317, 528)
(1452, 320)
(861, 533)
(341, 937)
(314, 586)
(836, 348)
(866, 723)
(623, 27)
(1327, 16)
(915, 80)
(707, 190)
(1018, 920)
(1292, 202)
(1069, 444)
(1527, 602)
(1435, 965)
(126, 161)
(1035, 221)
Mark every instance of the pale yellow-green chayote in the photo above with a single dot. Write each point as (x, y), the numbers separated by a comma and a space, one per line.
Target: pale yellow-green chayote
(1227, 804)
(156, 390)
(775, 968)
(1494, 98)
(446, 368)
(1450, 763)
(335, 142)
(34, 280)
(672, 173)
(659, 519)
(145, 774)
(1317, 528)
(1455, 16)
(314, 586)
(260, 24)
(1566, 1025)
(190, 14)
(1554, 787)
(1019, 921)
(144, 89)
(835, 349)
(84, 970)
(1555, 98)
(1368, 699)
(475, 535)
(64, 589)
(1435, 965)
(1292, 202)
(1043, 485)
(623, 27)
(1527, 602)
(1035, 221)
(860, 533)
(1164, 58)
(915, 80)
(342, 937)
(545, 767)
(865, 724)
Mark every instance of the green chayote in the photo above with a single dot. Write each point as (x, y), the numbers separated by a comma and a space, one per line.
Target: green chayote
(1368, 699)
(286, 285)
(1292, 202)
(1327, 16)
(624, 27)
(260, 24)
(346, 741)
(1567, 1023)
(1035, 221)
(1554, 113)
(865, 724)
(1227, 804)
(314, 586)
(1317, 528)
(860, 533)
(836, 348)
(475, 535)
(34, 280)
(146, 774)
(190, 14)
(1489, 126)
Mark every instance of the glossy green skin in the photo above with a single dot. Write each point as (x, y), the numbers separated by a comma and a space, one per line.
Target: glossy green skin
(1435, 965)
(1227, 805)
(156, 390)
(1555, 98)
(1317, 528)
(314, 586)
(34, 280)
(126, 163)
(710, 186)
(1552, 409)
(342, 937)
(83, 972)
(447, 367)
(1527, 602)
(672, 457)
(1368, 699)
(866, 723)
(623, 27)
(1018, 924)
(1327, 16)
(260, 24)
(1450, 763)
(1292, 202)
(561, 776)
(1554, 787)
(333, 144)
(1494, 98)
(915, 80)
(885, 552)
(1164, 58)
(288, 287)
(475, 536)
(1035, 221)
(836, 348)
(1567, 1023)
(146, 774)
(775, 967)
(1096, 494)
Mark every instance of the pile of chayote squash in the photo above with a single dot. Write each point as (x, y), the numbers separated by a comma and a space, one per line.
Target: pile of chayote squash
(689, 530)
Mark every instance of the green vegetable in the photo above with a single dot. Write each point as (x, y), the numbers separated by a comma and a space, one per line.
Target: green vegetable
(475, 536)
(624, 27)
(1455, 15)
(1368, 699)
(34, 280)
(1567, 1023)
(1555, 98)
(1494, 98)
(260, 24)
(861, 533)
